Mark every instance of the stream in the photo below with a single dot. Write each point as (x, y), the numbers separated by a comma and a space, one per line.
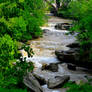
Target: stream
(44, 49)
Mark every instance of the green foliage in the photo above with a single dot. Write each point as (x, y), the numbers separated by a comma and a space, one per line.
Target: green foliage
(15, 27)
(83, 25)
(80, 11)
(12, 90)
(12, 77)
(63, 9)
(12, 71)
(78, 88)
(21, 19)
(8, 48)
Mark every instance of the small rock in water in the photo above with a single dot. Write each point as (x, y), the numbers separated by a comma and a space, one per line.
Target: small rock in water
(58, 81)
(52, 67)
(71, 66)
(45, 30)
(63, 26)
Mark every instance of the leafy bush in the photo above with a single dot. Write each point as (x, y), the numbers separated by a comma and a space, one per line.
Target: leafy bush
(12, 90)
(83, 25)
(63, 9)
(15, 27)
(78, 88)
(12, 77)
(80, 11)
(21, 19)
(8, 48)
(12, 71)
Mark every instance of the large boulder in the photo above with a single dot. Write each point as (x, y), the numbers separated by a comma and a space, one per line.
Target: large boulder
(73, 56)
(69, 56)
(31, 82)
(58, 81)
(41, 79)
(63, 26)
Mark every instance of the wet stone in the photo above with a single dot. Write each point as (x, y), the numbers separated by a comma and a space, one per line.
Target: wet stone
(58, 81)
(63, 26)
(51, 67)
(31, 82)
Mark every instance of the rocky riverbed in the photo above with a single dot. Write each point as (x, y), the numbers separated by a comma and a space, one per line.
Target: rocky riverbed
(49, 74)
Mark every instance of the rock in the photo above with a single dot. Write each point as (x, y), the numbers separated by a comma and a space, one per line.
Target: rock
(78, 82)
(46, 89)
(74, 45)
(45, 30)
(89, 78)
(71, 66)
(69, 56)
(78, 78)
(41, 80)
(31, 82)
(52, 67)
(44, 66)
(73, 56)
(58, 81)
(63, 26)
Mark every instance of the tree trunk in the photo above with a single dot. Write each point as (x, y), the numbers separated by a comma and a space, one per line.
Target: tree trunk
(54, 8)
(58, 4)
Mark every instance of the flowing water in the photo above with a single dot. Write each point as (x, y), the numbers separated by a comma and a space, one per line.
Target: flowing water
(44, 49)
(52, 40)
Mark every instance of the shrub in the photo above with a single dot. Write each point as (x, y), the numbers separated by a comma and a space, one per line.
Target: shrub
(12, 90)
(13, 76)
(80, 11)
(63, 9)
(15, 27)
(78, 88)
(12, 71)
(21, 19)
(83, 25)
(8, 48)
